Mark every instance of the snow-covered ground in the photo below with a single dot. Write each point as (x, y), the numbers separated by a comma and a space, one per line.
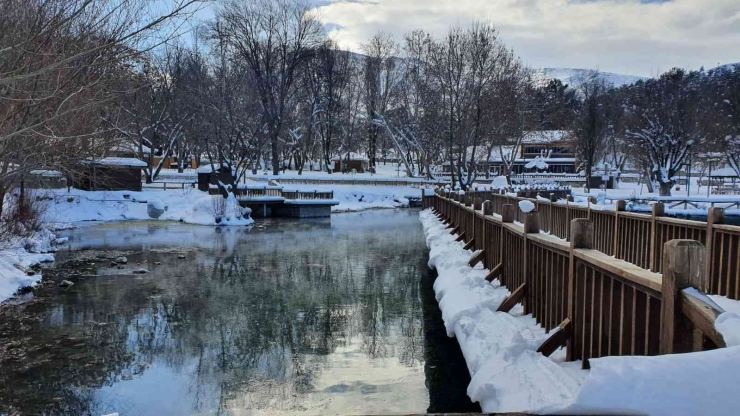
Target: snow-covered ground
(508, 375)
(190, 206)
(19, 255)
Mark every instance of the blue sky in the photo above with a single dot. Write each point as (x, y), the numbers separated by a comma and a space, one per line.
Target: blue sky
(639, 37)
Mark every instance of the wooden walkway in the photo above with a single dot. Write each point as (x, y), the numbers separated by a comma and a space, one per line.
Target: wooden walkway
(612, 282)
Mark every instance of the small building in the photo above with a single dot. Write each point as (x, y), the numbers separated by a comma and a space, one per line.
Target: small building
(109, 174)
(351, 161)
(213, 174)
(46, 179)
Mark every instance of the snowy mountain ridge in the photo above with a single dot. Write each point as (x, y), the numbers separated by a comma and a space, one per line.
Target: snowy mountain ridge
(574, 76)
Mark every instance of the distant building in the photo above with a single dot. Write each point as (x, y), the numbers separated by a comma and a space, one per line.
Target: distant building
(109, 174)
(349, 161)
(555, 147)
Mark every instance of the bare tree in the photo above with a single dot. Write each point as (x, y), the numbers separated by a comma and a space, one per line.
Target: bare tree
(272, 38)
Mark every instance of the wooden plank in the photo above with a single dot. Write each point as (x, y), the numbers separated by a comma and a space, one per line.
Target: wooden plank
(513, 299)
(622, 269)
(556, 340)
(496, 272)
(477, 258)
(469, 244)
(682, 222)
(461, 237)
(550, 242)
(703, 315)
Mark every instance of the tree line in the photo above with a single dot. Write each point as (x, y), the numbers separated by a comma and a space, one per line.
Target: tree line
(261, 86)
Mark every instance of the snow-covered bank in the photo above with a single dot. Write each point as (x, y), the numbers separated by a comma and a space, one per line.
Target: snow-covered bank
(508, 375)
(18, 256)
(190, 206)
(353, 198)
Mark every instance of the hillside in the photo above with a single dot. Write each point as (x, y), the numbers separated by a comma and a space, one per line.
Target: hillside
(572, 76)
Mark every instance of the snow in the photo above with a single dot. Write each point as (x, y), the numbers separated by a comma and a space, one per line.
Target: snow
(47, 173)
(728, 323)
(120, 161)
(526, 206)
(156, 203)
(189, 206)
(508, 375)
(19, 255)
(574, 76)
(702, 383)
(500, 182)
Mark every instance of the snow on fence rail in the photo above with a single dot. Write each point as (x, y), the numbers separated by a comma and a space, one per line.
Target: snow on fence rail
(602, 306)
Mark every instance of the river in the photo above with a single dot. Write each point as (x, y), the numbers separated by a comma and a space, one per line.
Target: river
(314, 316)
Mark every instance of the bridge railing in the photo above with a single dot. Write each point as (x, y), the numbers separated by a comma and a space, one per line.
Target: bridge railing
(603, 305)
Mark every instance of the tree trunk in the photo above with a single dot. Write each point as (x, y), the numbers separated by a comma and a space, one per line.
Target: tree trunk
(275, 156)
(665, 188)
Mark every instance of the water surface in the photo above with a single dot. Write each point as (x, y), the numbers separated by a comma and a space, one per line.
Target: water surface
(318, 316)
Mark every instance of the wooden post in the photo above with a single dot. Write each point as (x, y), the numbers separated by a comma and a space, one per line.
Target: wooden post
(478, 205)
(683, 266)
(716, 216)
(488, 208)
(532, 223)
(621, 206)
(531, 226)
(658, 211)
(507, 213)
(553, 197)
(582, 237)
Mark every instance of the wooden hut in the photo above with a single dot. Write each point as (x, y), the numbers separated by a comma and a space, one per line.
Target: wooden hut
(210, 175)
(109, 174)
(350, 161)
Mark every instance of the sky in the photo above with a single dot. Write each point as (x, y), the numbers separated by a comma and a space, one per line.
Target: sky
(636, 37)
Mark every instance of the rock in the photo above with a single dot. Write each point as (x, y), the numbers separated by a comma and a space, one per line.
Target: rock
(66, 283)
(122, 260)
(181, 256)
(157, 263)
(155, 208)
(30, 273)
(141, 271)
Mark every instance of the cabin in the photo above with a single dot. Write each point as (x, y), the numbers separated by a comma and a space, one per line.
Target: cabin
(109, 174)
(349, 162)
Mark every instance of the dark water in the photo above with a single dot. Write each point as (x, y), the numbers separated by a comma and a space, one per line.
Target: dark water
(322, 316)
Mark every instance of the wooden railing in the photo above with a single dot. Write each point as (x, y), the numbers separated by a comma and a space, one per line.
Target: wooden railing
(303, 195)
(603, 306)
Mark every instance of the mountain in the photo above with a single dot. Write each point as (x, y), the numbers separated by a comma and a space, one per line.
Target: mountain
(573, 76)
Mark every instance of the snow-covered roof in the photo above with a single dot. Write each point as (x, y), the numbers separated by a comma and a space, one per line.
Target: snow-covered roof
(208, 168)
(724, 173)
(545, 136)
(119, 161)
(47, 173)
(352, 156)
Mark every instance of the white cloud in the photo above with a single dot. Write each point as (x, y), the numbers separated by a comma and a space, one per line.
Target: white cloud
(626, 36)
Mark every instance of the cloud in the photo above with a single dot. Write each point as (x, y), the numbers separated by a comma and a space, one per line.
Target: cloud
(640, 37)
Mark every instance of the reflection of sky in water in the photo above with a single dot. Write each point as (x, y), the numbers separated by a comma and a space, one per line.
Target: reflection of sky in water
(314, 317)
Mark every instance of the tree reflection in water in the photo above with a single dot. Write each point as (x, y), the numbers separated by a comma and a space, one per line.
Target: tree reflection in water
(297, 319)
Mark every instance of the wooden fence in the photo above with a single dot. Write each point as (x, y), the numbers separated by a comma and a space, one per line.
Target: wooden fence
(603, 305)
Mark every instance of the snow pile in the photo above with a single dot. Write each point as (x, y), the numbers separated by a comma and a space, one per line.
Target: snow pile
(500, 182)
(728, 324)
(526, 206)
(508, 374)
(702, 383)
(538, 162)
(359, 198)
(18, 256)
(189, 206)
